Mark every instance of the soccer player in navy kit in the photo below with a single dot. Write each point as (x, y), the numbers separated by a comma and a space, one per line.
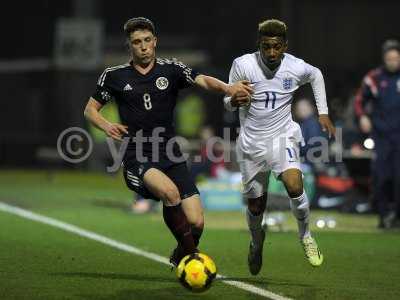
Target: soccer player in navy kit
(145, 91)
(377, 106)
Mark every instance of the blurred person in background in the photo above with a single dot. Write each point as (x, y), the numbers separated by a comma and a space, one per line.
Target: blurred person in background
(210, 159)
(377, 106)
(200, 168)
(307, 118)
(140, 205)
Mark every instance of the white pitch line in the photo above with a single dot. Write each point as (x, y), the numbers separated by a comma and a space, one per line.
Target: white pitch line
(125, 247)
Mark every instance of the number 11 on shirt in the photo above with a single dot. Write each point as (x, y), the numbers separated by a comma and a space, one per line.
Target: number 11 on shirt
(270, 95)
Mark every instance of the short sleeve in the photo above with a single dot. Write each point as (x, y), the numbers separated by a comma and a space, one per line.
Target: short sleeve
(104, 92)
(186, 76)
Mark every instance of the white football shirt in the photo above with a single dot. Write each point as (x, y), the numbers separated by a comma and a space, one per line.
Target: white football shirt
(269, 113)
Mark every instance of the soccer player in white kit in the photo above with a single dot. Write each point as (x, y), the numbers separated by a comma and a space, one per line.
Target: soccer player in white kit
(269, 138)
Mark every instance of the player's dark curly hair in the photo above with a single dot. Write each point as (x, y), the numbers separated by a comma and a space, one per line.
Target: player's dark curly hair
(139, 23)
(272, 28)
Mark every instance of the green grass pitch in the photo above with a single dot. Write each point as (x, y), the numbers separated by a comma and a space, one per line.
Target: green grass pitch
(38, 261)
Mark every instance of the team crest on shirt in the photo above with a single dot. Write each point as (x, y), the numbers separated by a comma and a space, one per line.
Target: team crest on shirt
(287, 83)
(162, 83)
(106, 96)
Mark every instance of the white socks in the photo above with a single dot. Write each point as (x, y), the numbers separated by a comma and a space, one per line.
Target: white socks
(301, 210)
(254, 224)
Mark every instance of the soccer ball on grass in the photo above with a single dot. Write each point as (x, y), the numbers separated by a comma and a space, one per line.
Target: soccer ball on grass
(196, 272)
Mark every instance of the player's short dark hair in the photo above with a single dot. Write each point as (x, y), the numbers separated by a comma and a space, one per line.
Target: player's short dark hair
(390, 45)
(272, 28)
(138, 23)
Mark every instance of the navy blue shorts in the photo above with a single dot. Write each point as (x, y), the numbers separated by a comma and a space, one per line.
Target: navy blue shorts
(177, 172)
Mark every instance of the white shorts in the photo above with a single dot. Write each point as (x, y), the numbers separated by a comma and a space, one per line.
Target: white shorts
(281, 153)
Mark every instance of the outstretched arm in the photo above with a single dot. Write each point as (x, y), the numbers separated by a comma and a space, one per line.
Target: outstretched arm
(93, 115)
(213, 84)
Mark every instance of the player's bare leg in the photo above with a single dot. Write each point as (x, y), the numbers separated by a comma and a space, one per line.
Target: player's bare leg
(254, 217)
(194, 213)
(299, 204)
(174, 217)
